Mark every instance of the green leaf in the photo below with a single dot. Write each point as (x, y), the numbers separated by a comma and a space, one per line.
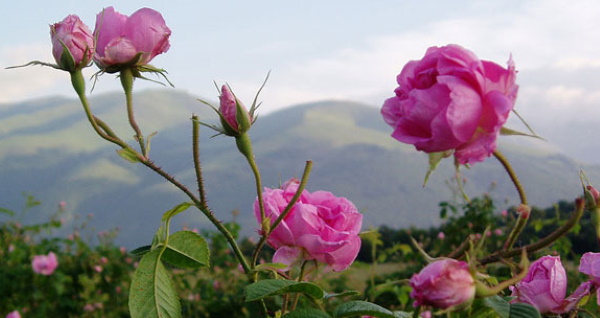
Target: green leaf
(152, 294)
(434, 161)
(7, 211)
(128, 154)
(306, 313)
(511, 132)
(186, 249)
(141, 250)
(498, 305)
(272, 287)
(176, 210)
(342, 294)
(363, 308)
(520, 310)
(269, 267)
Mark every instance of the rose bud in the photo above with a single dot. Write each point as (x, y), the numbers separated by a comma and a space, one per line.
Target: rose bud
(443, 284)
(72, 43)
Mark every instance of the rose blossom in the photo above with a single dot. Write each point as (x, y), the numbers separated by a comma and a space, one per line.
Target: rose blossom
(228, 108)
(590, 265)
(76, 37)
(451, 101)
(13, 314)
(443, 284)
(319, 226)
(545, 287)
(44, 264)
(120, 39)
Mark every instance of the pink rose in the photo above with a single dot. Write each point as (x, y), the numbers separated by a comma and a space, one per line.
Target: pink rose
(590, 265)
(452, 101)
(228, 108)
(77, 38)
(45, 264)
(13, 314)
(320, 226)
(443, 284)
(545, 287)
(120, 39)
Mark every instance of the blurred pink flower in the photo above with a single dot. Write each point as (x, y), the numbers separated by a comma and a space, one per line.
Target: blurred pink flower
(11, 248)
(77, 38)
(13, 314)
(498, 232)
(504, 213)
(103, 260)
(44, 264)
(133, 40)
(451, 101)
(88, 308)
(98, 268)
(123, 250)
(441, 235)
(443, 284)
(319, 226)
(545, 287)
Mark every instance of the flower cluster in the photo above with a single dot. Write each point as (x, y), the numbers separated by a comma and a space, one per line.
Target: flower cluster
(117, 42)
(319, 226)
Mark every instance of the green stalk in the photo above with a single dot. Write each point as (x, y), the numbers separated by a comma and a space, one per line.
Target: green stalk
(244, 145)
(523, 217)
(196, 157)
(127, 79)
(288, 208)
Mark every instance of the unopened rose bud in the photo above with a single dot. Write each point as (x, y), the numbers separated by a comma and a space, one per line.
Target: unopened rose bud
(524, 211)
(72, 43)
(234, 116)
(443, 284)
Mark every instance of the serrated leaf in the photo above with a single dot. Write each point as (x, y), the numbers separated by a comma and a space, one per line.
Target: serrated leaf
(520, 310)
(362, 308)
(498, 305)
(176, 210)
(306, 313)
(128, 154)
(141, 250)
(152, 294)
(272, 287)
(186, 249)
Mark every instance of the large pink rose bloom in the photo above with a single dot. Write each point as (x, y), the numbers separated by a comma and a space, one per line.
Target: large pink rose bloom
(45, 264)
(443, 284)
(76, 37)
(545, 287)
(451, 100)
(120, 38)
(320, 226)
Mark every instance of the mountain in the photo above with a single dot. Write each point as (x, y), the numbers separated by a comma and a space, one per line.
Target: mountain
(48, 149)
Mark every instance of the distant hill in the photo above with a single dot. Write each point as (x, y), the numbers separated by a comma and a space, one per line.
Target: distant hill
(48, 149)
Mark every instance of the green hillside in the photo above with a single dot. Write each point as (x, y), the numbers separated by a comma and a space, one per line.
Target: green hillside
(48, 149)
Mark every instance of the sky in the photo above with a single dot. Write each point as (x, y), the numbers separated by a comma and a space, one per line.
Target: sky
(338, 49)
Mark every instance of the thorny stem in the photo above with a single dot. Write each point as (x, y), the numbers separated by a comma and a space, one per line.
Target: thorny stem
(127, 79)
(546, 241)
(288, 208)
(523, 217)
(244, 145)
(196, 155)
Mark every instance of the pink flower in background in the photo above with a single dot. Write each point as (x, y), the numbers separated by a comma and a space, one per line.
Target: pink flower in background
(45, 264)
(320, 226)
(443, 284)
(545, 287)
(441, 235)
(98, 268)
(228, 108)
(120, 38)
(13, 314)
(451, 101)
(590, 265)
(77, 38)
